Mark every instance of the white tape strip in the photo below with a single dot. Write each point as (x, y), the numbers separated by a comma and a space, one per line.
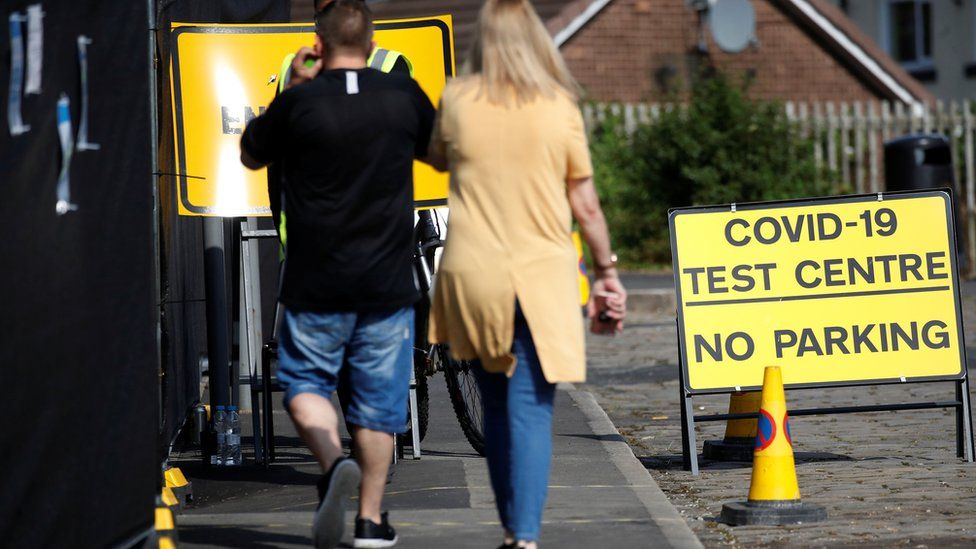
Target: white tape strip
(14, 119)
(83, 143)
(352, 83)
(64, 204)
(35, 49)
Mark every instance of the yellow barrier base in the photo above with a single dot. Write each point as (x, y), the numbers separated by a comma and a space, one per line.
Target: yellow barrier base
(180, 488)
(771, 513)
(165, 535)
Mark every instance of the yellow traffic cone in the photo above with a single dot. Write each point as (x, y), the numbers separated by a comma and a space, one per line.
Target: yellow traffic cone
(774, 495)
(740, 434)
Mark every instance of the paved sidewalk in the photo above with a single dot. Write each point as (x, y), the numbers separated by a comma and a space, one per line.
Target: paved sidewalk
(600, 495)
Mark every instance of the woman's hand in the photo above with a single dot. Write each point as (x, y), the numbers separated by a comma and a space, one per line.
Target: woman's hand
(608, 304)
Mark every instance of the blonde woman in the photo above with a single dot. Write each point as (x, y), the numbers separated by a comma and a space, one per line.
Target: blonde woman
(512, 136)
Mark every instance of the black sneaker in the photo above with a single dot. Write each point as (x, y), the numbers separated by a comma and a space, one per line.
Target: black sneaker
(335, 488)
(370, 535)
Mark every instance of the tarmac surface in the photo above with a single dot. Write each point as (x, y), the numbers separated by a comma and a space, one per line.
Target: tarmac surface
(600, 495)
(886, 478)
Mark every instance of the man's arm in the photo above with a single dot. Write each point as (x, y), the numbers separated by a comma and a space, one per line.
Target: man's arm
(423, 149)
(435, 156)
(262, 141)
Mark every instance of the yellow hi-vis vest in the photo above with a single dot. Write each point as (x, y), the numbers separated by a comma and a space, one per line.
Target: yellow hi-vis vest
(381, 59)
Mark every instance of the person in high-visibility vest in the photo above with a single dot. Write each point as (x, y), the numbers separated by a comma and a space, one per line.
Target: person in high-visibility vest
(294, 71)
(296, 68)
(348, 138)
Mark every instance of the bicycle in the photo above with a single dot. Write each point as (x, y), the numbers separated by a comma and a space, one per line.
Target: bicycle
(429, 359)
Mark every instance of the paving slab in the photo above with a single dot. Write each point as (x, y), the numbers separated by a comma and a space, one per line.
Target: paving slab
(600, 494)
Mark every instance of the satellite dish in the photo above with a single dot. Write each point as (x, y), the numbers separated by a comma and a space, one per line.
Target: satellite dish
(733, 24)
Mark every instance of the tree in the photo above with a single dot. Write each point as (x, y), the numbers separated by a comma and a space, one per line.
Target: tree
(720, 147)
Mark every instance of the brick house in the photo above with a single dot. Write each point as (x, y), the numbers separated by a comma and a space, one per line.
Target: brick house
(643, 50)
(934, 40)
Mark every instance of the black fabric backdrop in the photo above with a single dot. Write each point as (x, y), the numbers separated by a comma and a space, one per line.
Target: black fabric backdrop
(83, 432)
(78, 355)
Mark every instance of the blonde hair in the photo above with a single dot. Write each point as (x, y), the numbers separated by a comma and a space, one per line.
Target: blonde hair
(513, 55)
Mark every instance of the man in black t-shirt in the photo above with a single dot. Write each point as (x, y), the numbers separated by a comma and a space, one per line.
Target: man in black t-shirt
(346, 141)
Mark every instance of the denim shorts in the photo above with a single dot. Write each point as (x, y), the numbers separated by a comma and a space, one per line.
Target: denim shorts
(377, 348)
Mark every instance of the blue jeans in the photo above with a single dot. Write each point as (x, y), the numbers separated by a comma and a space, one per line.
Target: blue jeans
(518, 436)
(373, 351)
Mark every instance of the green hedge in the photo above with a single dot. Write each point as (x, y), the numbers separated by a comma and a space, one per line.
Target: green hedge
(721, 147)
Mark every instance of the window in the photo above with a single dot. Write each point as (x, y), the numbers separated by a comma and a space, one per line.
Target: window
(908, 32)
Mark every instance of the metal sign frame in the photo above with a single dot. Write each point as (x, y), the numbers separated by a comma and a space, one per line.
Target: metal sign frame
(961, 403)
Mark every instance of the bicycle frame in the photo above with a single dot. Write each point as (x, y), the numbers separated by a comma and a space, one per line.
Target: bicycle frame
(427, 237)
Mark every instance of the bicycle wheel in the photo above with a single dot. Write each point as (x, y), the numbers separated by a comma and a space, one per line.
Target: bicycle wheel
(465, 398)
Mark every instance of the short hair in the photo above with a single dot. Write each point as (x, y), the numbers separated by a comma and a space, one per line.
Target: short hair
(345, 25)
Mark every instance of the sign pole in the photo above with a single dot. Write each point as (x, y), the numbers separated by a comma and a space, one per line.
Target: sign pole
(156, 220)
(964, 421)
(218, 337)
(689, 457)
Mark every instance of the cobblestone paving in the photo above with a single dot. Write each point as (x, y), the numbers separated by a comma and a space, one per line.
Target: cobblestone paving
(886, 479)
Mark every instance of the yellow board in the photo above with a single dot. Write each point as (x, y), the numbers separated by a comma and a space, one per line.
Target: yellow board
(844, 290)
(224, 75)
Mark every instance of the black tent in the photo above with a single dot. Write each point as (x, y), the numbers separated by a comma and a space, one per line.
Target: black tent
(88, 407)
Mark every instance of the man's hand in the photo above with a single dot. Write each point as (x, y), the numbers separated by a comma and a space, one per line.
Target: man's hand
(301, 72)
(608, 305)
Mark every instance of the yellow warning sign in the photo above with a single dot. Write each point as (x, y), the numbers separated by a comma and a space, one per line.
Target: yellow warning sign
(224, 75)
(844, 290)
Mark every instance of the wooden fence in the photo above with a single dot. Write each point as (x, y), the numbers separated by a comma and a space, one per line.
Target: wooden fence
(849, 141)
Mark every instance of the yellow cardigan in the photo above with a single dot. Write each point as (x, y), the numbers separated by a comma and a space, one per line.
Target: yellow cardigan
(510, 230)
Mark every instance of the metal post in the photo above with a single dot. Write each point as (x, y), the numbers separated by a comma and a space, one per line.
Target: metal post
(414, 413)
(689, 447)
(154, 167)
(243, 400)
(233, 261)
(252, 338)
(964, 421)
(218, 336)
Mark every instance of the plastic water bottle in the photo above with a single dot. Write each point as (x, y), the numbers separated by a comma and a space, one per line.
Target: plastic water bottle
(233, 438)
(220, 428)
